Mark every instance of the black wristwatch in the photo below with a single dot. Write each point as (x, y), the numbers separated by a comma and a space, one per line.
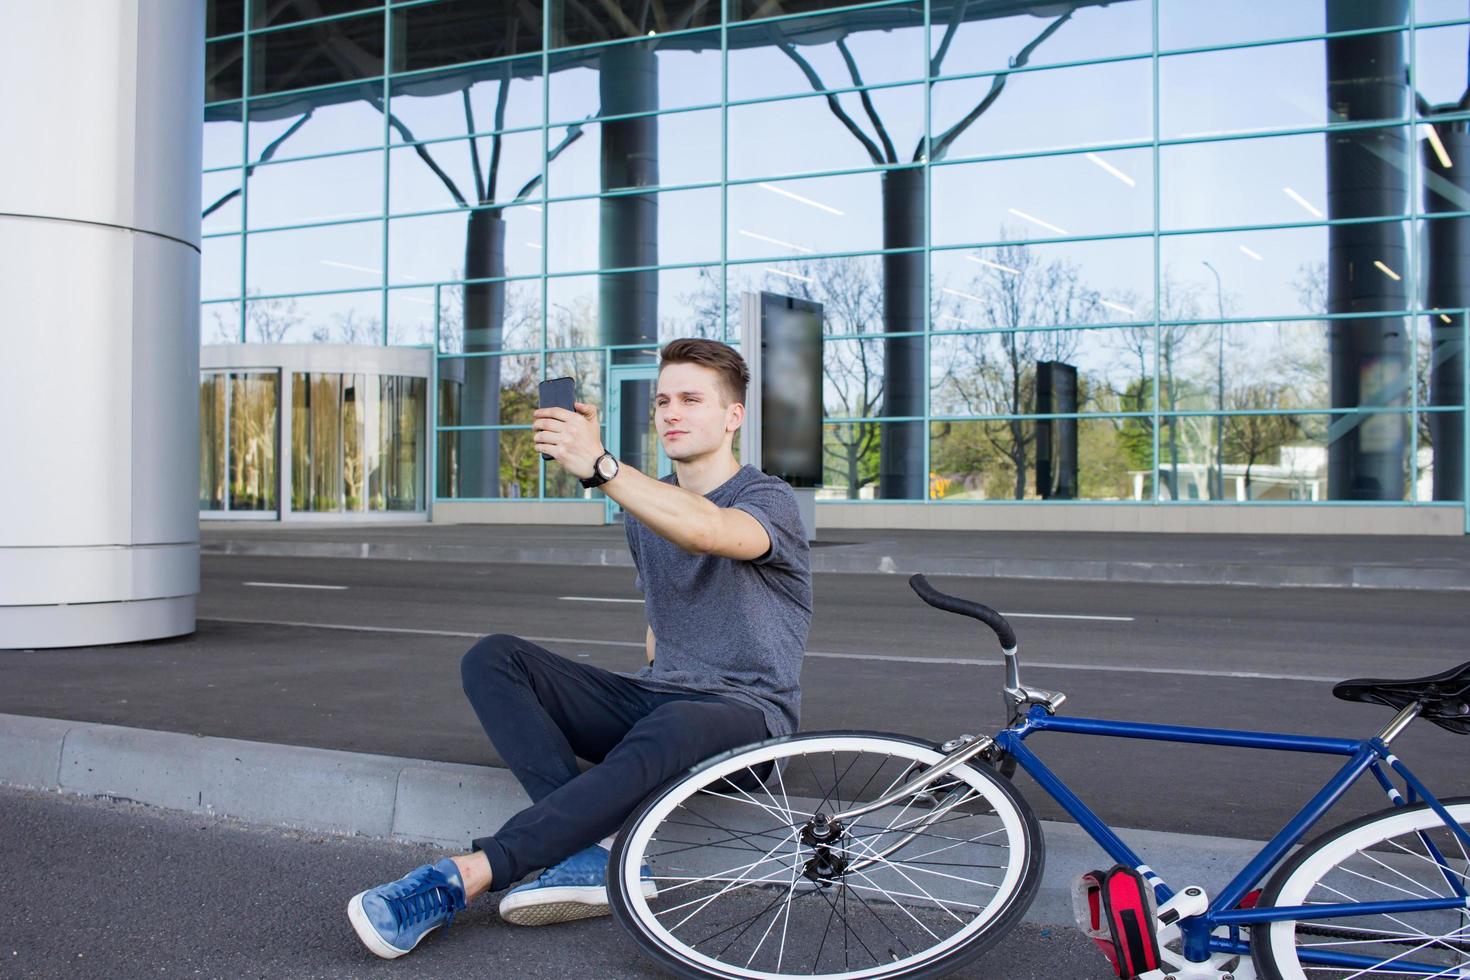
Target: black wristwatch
(603, 470)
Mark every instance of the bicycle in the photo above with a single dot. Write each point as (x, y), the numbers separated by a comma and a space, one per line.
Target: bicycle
(757, 852)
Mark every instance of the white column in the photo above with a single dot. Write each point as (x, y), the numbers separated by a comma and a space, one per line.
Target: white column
(101, 105)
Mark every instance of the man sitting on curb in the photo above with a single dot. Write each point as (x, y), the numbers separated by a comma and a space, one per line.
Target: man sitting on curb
(723, 563)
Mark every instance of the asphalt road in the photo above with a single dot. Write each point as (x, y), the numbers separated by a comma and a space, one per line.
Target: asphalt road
(378, 672)
(108, 890)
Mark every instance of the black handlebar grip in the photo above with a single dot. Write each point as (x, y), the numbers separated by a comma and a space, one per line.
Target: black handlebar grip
(965, 607)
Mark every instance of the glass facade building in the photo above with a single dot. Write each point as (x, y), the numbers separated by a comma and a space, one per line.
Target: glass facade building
(1164, 251)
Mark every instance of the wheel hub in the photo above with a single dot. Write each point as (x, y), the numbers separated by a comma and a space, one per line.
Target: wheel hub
(829, 860)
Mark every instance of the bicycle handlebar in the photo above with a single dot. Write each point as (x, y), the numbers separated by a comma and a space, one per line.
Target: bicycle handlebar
(965, 607)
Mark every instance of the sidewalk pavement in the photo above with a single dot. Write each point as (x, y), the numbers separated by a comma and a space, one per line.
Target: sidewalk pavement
(414, 800)
(1321, 561)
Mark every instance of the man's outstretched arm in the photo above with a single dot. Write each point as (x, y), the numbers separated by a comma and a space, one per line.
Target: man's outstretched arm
(687, 519)
(648, 643)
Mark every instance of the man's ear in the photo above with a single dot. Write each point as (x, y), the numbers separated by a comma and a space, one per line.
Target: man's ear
(735, 417)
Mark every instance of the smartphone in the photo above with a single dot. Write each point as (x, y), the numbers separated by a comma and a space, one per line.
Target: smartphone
(558, 393)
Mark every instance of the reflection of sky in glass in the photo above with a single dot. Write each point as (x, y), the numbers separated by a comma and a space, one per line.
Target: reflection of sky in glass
(774, 220)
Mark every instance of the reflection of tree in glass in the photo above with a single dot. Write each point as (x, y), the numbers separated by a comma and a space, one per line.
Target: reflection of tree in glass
(1252, 439)
(995, 373)
(271, 321)
(903, 227)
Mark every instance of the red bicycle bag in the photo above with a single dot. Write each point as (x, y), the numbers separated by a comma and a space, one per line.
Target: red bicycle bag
(1116, 910)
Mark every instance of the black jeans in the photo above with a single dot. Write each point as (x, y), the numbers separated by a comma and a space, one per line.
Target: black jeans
(542, 710)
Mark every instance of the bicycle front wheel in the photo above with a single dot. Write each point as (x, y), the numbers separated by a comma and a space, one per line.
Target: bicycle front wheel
(752, 882)
(1396, 855)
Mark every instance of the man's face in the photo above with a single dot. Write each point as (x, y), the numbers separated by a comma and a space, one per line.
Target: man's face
(690, 413)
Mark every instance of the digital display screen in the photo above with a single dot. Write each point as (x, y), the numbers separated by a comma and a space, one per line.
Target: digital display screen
(791, 389)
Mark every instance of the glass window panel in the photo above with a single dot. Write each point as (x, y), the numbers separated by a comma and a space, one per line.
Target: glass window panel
(410, 317)
(1031, 112)
(1055, 284)
(1439, 467)
(685, 151)
(1440, 353)
(518, 327)
(431, 106)
(762, 144)
(578, 23)
(1285, 457)
(1104, 193)
(219, 323)
(849, 288)
(1244, 366)
(306, 259)
(432, 35)
(789, 218)
(1282, 86)
(253, 425)
(355, 409)
(333, 188)
(1200, 23)
(396, 474)
(619, 232)
(415, 186)
(224, 64)
(515, 377)
(212, 460)
(224, 144)
(980, 460)
(337, 318)
(224, 17)
(645, 76)
(463, 476)
(1426, 11)
(220, 192)
(316, 442)
(308, 123)
(1439, 66)
(886, 45)
(617, 308)
(853, 378)
(995, 373)
(1281, 179)
(852, 461)
(434, 247)
(318, 54)
(219, 267)
(288, 11)
(1285, 272)
(982, 40)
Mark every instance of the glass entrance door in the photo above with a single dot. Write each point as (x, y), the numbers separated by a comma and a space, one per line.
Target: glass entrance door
(630, 431)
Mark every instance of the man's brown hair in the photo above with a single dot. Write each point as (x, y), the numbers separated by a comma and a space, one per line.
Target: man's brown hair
(724, 359)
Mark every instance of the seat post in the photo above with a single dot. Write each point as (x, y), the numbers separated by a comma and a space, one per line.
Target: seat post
(1400, 721)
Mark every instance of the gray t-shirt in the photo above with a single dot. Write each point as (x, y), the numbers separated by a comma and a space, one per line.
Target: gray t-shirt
(729, 627)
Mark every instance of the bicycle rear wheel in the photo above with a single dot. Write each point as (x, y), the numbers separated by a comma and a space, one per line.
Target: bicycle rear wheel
(1396, 855)
(751, 884)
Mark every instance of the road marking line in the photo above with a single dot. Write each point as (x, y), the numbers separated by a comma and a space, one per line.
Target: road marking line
(590, 598)
(294, 585)
(1105, 619)
(822, 654)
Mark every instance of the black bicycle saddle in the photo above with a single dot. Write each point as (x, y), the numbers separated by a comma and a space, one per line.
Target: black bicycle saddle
(1446, 696)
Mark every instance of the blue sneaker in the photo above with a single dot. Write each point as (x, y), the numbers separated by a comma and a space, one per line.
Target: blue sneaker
(391, 919)
(576, 888)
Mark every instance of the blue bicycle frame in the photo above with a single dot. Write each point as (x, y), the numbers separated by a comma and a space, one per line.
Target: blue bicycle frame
(1198, 931)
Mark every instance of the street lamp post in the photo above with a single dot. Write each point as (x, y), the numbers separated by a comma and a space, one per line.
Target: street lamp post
(1219, 389)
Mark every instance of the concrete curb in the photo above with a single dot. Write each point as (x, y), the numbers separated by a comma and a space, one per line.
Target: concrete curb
(1272, 575)
(427, 802)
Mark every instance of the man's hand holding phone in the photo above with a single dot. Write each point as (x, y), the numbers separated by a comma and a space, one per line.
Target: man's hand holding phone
(567, 431)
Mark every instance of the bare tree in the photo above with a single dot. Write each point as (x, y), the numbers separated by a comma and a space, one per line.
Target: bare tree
(271, 321)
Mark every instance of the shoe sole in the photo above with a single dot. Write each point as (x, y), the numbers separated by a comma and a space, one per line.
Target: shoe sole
(548, 906)
(369, 935)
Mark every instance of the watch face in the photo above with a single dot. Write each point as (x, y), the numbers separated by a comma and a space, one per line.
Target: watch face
(607, 467)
